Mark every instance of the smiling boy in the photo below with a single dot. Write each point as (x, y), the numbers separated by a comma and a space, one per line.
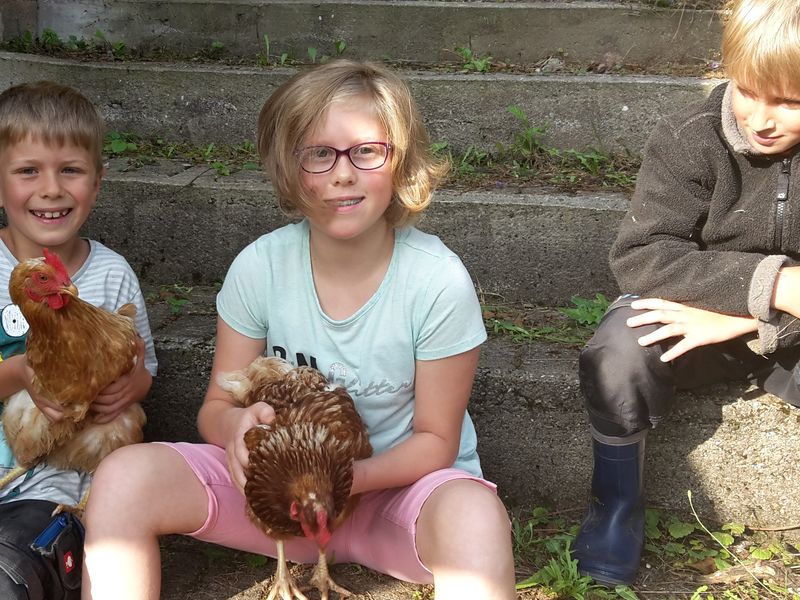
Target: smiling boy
(707, 258)
(51, 139)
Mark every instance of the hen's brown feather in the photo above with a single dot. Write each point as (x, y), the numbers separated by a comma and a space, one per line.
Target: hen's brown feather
(306, 454)
(75, 351)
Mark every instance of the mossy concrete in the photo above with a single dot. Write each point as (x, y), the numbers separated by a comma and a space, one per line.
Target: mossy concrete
(204, 103)
(518, 245)
(512, 32)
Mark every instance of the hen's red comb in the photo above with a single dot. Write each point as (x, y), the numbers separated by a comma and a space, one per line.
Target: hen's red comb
(52, 259)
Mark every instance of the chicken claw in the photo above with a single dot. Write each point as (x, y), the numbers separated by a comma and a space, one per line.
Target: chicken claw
(283, 584)
(321, 580)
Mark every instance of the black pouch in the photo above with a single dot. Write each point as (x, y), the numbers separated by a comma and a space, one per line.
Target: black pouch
(61, 545)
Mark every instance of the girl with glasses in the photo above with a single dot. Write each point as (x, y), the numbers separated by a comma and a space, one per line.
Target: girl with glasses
(378, 307)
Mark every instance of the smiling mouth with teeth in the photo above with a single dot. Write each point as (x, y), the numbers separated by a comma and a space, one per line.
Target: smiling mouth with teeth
(47, 214)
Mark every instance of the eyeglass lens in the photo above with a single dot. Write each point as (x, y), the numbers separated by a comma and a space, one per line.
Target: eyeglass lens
(318, 159)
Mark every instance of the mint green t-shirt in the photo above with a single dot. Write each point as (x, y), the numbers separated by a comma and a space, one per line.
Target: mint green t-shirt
(425, 309)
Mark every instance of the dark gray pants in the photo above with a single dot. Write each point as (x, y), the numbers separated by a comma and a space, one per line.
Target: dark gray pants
(26, 574)
(628, 389)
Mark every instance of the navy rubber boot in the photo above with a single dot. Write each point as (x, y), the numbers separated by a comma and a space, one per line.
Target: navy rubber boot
(609, 544)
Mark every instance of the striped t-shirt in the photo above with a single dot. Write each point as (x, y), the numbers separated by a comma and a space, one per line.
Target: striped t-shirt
(105, 280)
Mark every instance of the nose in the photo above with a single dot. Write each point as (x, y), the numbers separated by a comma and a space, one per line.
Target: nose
(49, 185)
(762, 118)
(343, 171)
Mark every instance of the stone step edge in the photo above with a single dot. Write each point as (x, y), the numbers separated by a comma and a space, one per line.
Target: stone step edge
(610, 113)
(531, 31)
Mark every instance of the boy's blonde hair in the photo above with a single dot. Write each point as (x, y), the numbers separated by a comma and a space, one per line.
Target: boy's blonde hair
(761, 45)
(53, 113)
(296, 108)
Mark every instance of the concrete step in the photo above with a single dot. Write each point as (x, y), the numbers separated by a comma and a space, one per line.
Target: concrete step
(735, 449)
(205, 103)
(511, 32)
(184, 225)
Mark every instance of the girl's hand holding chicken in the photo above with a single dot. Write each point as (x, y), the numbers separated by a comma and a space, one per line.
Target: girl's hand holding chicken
(695, 326)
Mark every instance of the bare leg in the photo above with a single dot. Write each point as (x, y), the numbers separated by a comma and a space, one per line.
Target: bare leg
(138, 493)
(464, 538)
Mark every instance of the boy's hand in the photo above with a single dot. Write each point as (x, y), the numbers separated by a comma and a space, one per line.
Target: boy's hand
(128, 389)
(696, 327)
(50, 409)
(23, 375)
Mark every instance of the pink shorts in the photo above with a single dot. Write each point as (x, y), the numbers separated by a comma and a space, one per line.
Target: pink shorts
(380, 534)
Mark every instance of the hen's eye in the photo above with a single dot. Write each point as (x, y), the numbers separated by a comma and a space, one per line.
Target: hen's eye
(42, 278)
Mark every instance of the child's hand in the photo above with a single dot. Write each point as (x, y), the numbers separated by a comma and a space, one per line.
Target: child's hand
(128, 389)
(236, 451)
(20, 372)
(696, 327)
(50, 409)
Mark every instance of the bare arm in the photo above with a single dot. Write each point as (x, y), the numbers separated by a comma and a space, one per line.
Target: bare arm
(442, 391)
(220, 421)
(696, 327)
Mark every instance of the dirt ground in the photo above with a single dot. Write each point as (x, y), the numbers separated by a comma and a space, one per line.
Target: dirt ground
(193, 570)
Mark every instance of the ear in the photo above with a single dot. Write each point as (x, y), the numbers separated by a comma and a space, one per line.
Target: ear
(99, 177)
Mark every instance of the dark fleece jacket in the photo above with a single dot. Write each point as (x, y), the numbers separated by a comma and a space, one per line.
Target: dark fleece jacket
(706, 227)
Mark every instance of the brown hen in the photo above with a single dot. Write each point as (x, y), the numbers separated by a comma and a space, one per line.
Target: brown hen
(75, 350)
(300, 468)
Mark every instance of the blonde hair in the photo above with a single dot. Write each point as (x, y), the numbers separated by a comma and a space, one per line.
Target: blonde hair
(53, 113)
(761, 44)
(291, 114)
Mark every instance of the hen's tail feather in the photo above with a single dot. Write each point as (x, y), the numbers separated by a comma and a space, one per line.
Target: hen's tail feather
(127, 310)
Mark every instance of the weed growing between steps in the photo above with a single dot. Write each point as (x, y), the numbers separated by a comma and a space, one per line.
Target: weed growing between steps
(682, 559)
(465, 59)
(572, 325)
(525, 161)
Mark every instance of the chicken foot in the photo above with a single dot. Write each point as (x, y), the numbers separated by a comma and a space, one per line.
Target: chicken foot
(12, 475)
(321, 580)
(76, 510)
(283, 584)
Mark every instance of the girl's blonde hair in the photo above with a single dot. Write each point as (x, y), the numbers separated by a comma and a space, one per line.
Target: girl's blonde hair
(761, 45)
(53, 113)
(297, 107)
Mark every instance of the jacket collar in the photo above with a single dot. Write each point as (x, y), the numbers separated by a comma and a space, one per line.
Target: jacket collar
(730, 127)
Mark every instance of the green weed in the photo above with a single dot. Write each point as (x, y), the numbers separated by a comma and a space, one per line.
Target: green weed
(471, 61)
(22, 43)
(117, 144)
(214, 51)
(175, 296)
(587, 311)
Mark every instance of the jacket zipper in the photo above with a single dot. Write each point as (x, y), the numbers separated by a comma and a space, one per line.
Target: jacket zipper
(781, 197)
